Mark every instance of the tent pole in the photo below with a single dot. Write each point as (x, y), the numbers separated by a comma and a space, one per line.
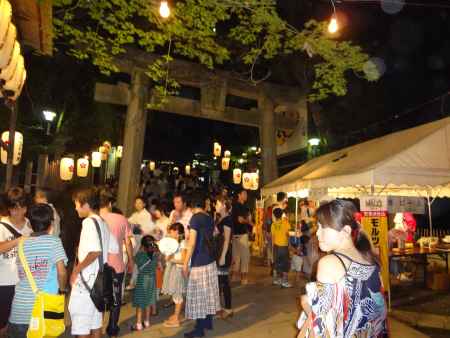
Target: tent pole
(429, 214)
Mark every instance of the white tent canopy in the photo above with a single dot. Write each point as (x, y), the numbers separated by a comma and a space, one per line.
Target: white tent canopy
(412, 162)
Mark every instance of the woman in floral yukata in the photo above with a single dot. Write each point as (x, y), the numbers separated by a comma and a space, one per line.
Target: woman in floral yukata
(347, 300)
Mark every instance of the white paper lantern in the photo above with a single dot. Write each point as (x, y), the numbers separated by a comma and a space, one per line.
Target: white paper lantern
(66, 168)
(152, 165)
(119, 151)
(217, 149)
(254, 181)
(225, 163)
(187, 170)
(13, 84)
(18, 146)
(8, 72)
(247, 181)
(8, 45)
(237, 176)
(82, 167)
(96, 159)
(227, 153)
(5, 19)
(19, 90)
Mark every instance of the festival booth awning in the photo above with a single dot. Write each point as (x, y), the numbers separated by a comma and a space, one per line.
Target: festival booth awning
(412, 162)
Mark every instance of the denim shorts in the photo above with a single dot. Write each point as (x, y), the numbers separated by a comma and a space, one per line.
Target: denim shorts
(281, 258)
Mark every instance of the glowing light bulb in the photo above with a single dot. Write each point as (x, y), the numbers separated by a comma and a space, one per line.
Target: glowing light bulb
(333, 25)
(164, 9)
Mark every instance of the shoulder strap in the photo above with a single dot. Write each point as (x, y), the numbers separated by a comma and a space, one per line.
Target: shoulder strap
(13, 231)
(338, 255)
(26, 268)
(100, 258)
(145, 264)
(99, 232)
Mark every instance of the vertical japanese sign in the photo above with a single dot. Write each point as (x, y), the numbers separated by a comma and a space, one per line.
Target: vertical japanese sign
(375, 225)
(258, 244)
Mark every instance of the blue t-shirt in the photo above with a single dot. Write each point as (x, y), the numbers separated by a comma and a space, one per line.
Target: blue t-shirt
(203, 224)
(42, 253)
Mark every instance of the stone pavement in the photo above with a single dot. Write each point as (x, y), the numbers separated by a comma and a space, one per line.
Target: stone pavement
(261, 310)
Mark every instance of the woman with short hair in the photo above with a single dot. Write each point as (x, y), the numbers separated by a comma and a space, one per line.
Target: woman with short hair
(12, 226)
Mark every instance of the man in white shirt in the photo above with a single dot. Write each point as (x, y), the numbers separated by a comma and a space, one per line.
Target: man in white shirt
(142, 217)
(181, 214)
(86, 319)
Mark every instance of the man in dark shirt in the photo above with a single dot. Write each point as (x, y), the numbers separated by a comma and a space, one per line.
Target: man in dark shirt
(242, 226)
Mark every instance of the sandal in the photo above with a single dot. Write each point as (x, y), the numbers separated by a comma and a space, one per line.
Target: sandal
(227, 314)
(173, 324)
(135, 328)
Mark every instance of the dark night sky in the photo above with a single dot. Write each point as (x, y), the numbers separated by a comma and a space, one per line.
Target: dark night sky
(413, 46)
(410, 43)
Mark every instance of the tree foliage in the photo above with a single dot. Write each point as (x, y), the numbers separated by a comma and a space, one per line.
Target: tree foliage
(211, 32)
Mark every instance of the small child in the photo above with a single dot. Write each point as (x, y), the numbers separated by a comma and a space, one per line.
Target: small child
(310, 251)
(174, 283)
(280, 239)
(144, 297)
(299, 251)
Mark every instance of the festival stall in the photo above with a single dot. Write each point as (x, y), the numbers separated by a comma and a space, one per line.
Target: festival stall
(410, 163)
(413, 162)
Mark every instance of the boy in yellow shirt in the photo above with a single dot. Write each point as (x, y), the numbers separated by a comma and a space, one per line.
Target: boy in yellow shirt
(280, 239)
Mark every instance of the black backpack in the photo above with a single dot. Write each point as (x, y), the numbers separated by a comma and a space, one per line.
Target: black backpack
(102, 292)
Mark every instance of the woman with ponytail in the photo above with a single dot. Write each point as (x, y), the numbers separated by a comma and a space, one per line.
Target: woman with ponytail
(347, 299)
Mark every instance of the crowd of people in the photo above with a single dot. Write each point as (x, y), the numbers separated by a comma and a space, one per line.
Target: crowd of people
(213, 233)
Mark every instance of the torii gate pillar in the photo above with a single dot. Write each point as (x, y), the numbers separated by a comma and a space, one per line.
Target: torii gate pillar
(267, 135)
(133, 145)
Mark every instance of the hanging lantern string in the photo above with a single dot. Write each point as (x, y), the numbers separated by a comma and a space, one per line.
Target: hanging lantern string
(334, 7)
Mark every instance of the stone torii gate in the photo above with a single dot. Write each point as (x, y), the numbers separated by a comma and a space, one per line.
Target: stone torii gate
(214, 87)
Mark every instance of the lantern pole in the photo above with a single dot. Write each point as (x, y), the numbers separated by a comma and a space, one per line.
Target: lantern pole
(12, 136)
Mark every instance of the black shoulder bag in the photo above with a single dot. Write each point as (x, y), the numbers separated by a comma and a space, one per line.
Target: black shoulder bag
(102, 292)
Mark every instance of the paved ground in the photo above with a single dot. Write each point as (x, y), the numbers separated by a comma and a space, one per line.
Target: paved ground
(262, 311)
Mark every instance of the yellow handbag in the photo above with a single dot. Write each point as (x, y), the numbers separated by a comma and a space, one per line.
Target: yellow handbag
(47, 317)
